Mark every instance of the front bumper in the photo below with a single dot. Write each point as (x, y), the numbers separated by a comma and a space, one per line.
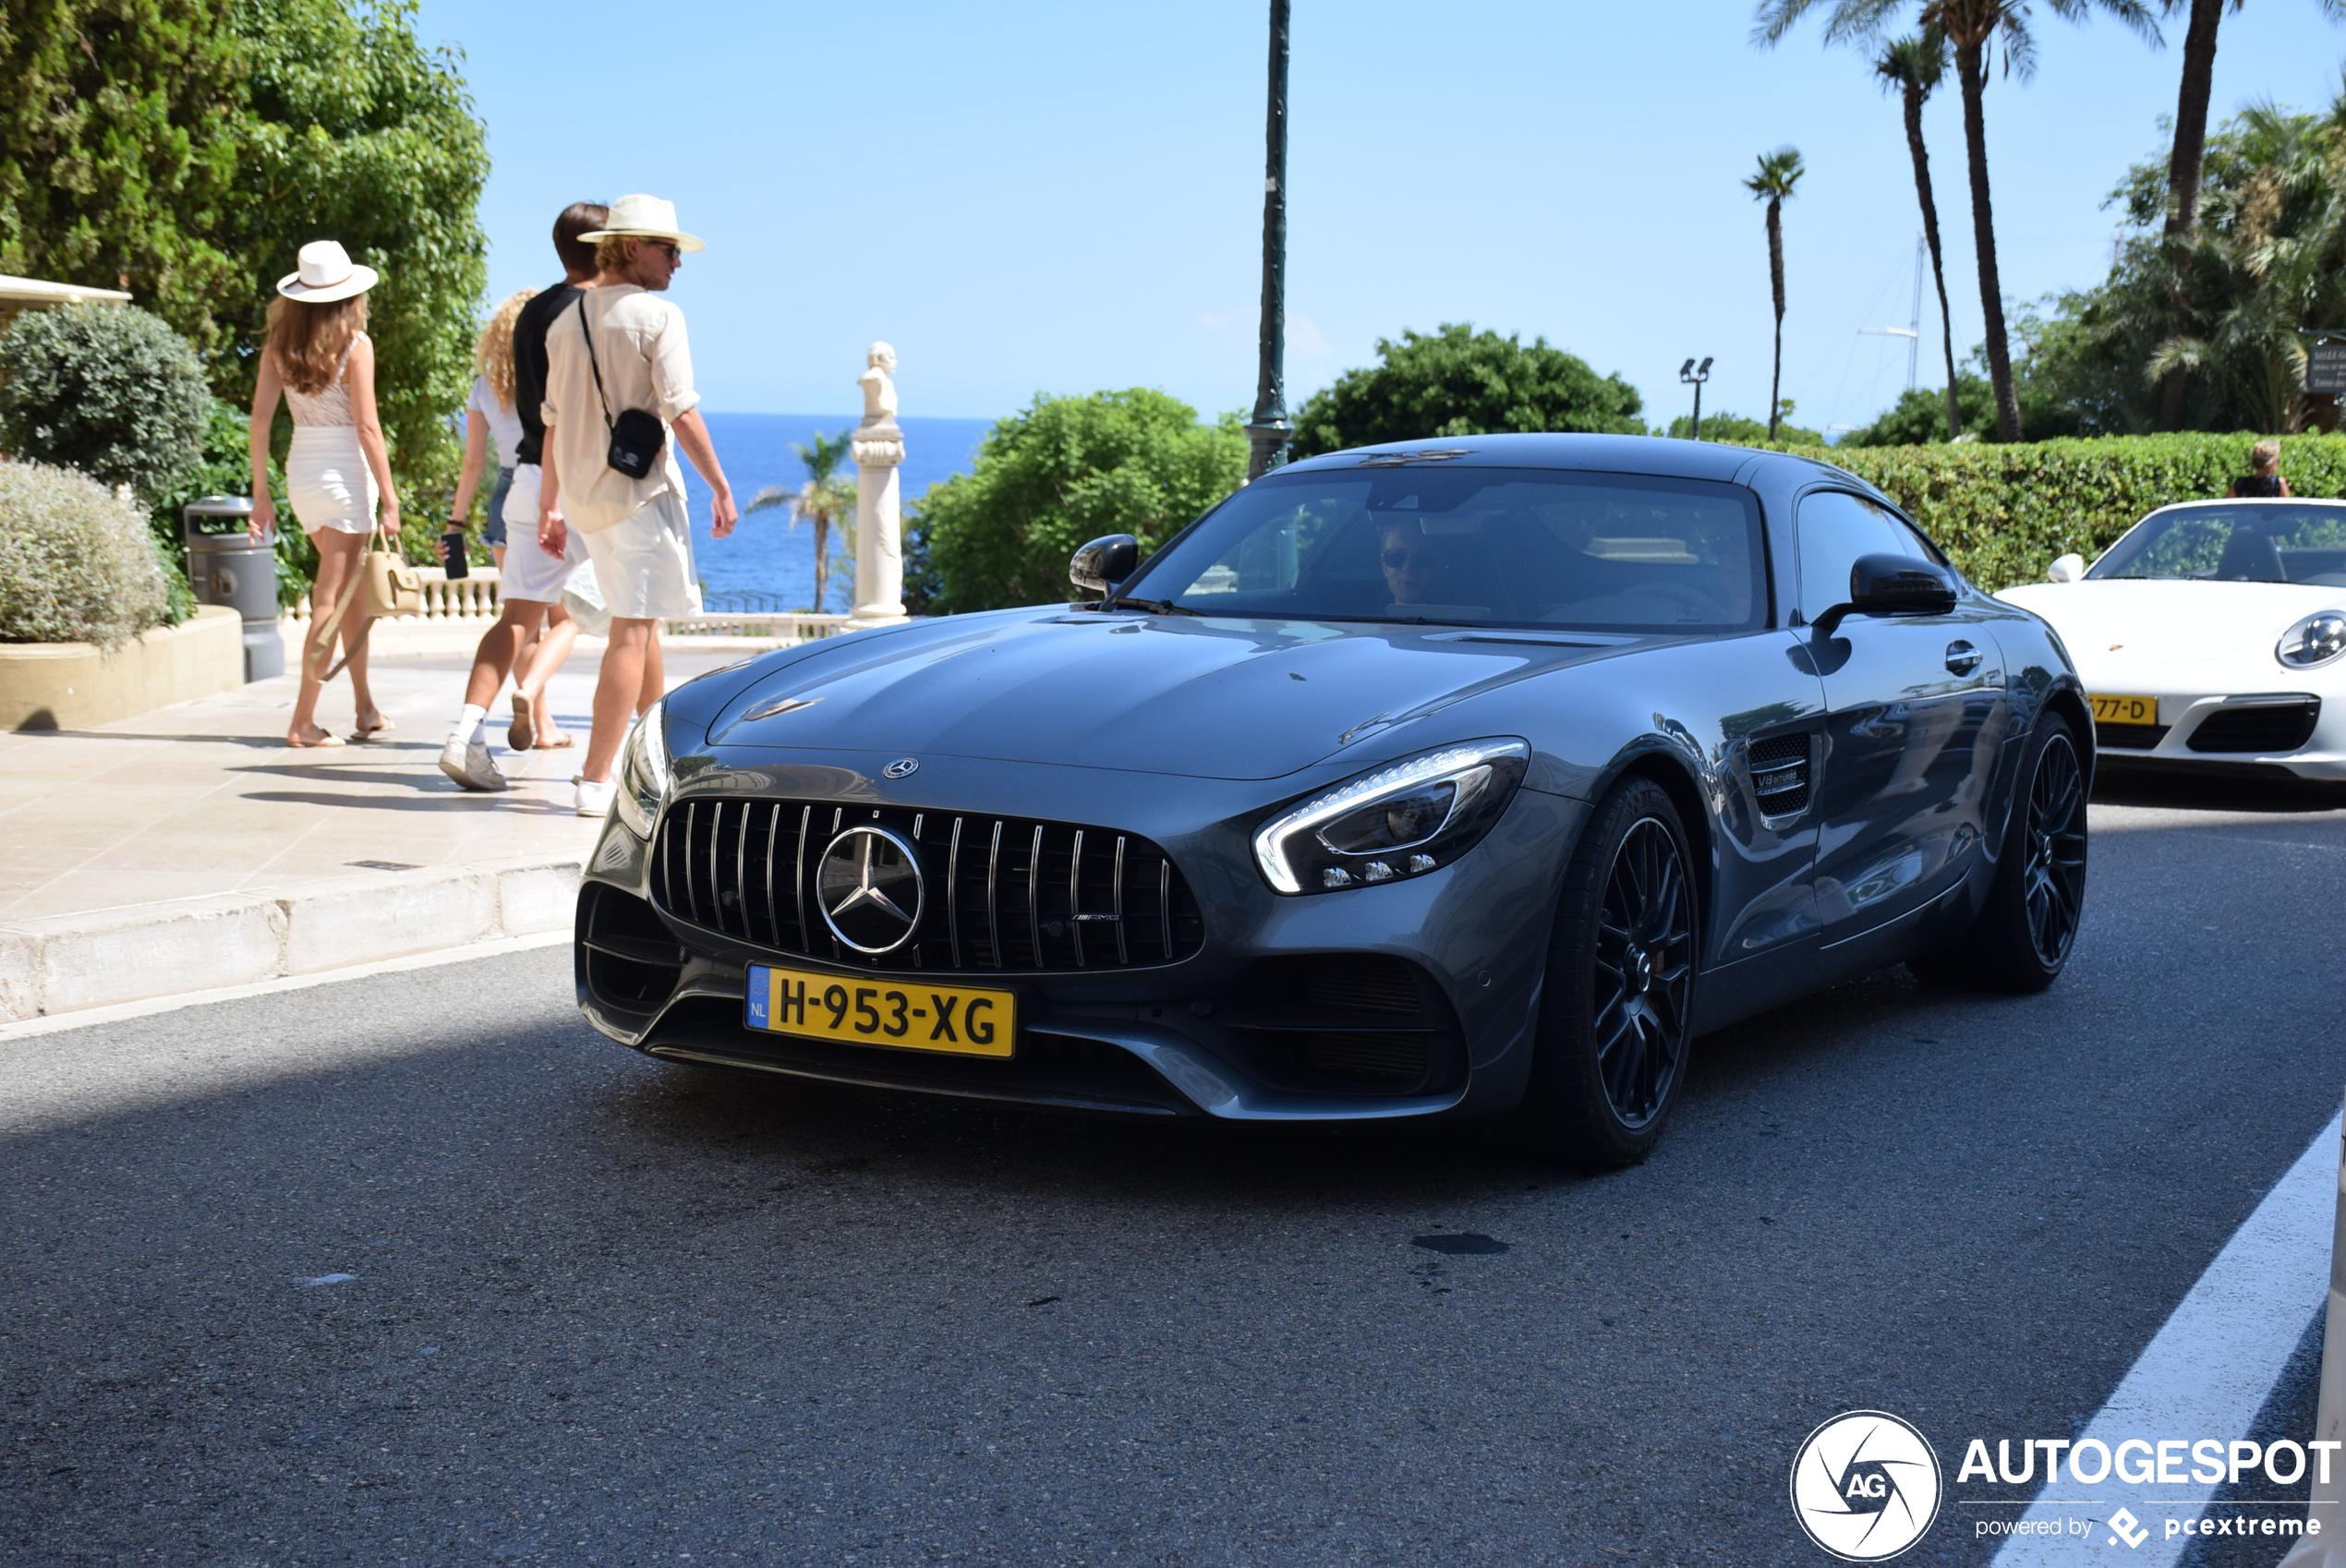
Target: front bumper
(1262, 1022)
(2235, 732)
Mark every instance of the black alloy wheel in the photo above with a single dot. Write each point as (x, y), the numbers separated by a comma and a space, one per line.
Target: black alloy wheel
(1616, 1009)
(2053, 874)
(2022, 936)
(1645, 973)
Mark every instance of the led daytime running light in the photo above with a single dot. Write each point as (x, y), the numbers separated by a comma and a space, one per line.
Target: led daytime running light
(1271, 839)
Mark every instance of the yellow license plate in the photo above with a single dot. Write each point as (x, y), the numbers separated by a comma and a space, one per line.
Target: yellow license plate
(2126, 710)
(910, 1015)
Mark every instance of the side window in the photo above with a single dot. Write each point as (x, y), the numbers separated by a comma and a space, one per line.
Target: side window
(1835, 529)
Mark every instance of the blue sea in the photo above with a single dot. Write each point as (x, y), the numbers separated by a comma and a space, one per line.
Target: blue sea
(767, 557)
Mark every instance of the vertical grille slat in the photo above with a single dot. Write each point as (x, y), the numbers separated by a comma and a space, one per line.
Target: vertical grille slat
(1058, 896)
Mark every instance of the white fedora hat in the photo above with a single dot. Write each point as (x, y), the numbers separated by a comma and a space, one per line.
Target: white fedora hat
(326, 272)
(645, 217)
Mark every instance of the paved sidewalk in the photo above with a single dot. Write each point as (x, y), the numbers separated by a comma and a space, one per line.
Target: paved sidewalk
(202, 809)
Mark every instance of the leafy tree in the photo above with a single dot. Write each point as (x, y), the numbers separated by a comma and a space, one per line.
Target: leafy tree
(2186, 171)
(1975, 28)
(2269, 256)
(119, 139)
(1461, 382)
(1913, 67)
(1737, 430)
(109, 389)
(1064, 470)
(1773, 182)
(187, 148)
(357, 132)
(825, 498)
(1920, 414)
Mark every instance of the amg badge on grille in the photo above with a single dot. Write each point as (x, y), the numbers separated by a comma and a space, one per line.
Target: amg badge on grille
(870, 884)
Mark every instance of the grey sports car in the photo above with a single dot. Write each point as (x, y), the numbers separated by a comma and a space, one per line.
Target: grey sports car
(1433, 780)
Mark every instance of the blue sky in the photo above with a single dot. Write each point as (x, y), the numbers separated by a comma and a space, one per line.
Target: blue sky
(1060, 198)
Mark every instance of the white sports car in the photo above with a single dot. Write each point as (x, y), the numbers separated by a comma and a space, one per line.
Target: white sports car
(2212, 637)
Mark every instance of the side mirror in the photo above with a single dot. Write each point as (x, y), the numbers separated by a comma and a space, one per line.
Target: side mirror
(2070, 568)
(1103, 563)
(1893, 584)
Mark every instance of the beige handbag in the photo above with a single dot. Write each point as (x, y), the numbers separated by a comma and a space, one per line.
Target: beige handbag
(383, 585)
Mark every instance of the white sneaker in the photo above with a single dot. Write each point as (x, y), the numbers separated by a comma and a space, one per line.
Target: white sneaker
(594, 799)
(468, 764)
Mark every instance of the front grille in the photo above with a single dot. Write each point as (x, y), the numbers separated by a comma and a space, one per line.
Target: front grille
(1780, 774)
(2262, 727)
(2129, 737)
(1003, 893)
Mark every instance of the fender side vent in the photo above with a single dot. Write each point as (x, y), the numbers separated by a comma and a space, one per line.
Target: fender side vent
(1780, 774)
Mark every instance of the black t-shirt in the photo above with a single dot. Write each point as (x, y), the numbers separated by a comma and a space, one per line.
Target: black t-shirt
(530, 365)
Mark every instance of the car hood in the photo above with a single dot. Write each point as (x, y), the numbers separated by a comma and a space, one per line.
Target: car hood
(2170, 620)
(1208, 699)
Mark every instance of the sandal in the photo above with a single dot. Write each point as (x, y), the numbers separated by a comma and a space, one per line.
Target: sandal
(325, 738)
(383, 726)
(523, 735)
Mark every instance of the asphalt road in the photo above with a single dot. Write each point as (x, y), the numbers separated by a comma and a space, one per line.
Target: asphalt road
(600, 1311)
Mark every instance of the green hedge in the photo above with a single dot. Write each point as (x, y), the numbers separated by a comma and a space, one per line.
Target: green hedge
(2004, 513)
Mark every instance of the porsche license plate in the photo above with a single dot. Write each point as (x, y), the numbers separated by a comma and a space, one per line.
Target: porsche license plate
(911, 1015)
(2126, 710)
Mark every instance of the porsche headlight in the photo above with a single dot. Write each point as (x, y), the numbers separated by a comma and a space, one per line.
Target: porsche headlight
(1402, 820)
(2317, 639)
(643, 773)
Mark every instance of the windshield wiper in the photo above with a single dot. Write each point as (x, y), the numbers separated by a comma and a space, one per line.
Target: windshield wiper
(1156, 607)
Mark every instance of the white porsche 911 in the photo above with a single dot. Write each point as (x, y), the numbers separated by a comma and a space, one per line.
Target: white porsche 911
(2212, 637)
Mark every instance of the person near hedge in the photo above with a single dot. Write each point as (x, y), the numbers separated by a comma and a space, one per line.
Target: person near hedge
(338, 472)
(491, 415)
(2263, 479)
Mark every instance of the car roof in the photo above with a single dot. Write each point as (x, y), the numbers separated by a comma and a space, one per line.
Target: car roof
(1660, 455)
(2245, 501)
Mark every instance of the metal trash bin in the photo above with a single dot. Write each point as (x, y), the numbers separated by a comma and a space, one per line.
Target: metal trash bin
(225, 567)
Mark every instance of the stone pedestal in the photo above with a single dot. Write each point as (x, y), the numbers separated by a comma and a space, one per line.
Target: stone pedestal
(880, 529)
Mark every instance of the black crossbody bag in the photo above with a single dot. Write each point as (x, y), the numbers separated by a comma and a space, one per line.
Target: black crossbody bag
(637, 435)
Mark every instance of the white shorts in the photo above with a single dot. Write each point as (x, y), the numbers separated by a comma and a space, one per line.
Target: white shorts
(529, 573)
(643, 566)
(327, 479)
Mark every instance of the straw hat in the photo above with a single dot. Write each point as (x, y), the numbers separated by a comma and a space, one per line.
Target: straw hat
(645, 217)
(326, 274)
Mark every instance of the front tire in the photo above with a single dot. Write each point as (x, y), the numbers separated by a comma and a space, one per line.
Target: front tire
(2022, 939)
(1616, 1011)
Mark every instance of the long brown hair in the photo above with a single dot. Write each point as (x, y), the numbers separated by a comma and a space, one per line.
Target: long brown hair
(309, 342)
(493, 351)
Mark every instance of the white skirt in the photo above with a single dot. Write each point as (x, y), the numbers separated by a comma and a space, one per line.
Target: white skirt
(332, 485)
(529, 573)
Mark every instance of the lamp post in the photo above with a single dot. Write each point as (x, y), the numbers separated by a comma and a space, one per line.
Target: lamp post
(1268, 431)
(1694, 377)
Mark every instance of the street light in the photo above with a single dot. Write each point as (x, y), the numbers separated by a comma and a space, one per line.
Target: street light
(1695, 377)
(1269, 431)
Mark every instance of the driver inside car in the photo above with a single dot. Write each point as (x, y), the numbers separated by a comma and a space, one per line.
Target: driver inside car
(1418, 568)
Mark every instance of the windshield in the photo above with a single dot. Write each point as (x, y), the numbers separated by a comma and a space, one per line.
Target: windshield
(2235, 544)
(1502, 546)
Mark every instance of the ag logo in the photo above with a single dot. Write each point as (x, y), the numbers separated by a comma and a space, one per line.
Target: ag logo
(1864, 1486)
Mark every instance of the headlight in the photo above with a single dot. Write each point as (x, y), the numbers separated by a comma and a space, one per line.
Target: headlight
(1403, 820)
(643, 772)
(2317, 639)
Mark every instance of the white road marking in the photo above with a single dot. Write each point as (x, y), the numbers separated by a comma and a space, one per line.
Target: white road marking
(2210, 1368)
(150, 1006)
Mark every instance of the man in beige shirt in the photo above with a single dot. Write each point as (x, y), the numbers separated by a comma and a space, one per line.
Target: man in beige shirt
(637, 533)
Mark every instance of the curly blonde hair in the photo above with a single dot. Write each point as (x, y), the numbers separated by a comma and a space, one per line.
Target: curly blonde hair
(309, 342)
(493, 350)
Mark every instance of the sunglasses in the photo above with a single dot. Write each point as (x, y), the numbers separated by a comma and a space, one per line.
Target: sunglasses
(1397, 559)
(668, 246)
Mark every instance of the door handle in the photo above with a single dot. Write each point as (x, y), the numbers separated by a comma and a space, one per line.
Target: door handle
(1962, 658)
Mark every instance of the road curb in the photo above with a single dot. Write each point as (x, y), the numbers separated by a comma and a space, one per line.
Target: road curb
(67, 963)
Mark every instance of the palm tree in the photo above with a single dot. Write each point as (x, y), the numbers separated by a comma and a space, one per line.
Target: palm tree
(1773, 183)
(1914, 66)
(2185, 168)
(1975, 28)
(825, 498)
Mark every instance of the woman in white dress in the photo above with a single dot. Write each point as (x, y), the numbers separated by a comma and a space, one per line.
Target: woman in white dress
(338, 473)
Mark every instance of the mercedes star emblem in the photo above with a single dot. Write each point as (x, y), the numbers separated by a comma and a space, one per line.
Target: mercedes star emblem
(902, 767)
(870, 888)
